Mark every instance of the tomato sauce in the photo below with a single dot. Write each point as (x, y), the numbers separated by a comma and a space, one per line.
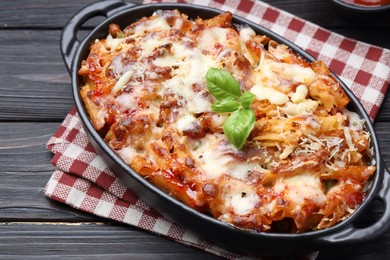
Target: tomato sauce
(368, 2)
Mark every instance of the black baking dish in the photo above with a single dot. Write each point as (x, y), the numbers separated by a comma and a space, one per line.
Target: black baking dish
(346, 232)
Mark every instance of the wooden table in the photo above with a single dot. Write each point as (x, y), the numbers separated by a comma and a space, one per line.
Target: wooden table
(35, 96)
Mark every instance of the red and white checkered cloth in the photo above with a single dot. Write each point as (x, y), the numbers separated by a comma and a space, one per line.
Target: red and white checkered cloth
(83, 181)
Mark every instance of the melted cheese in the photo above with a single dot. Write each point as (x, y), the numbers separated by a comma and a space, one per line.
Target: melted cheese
(128, 153)
(246, 34)
(112, 43)
(211, 36)
(121, 83)
(294, 72)
(304, 186)
(355, 122)
(307, 106)
(211, 155)
(271, 71)
(159, 23)
(300, 94)
(192, 67)
(243, 202)
(184, 122)
(126, 101)
(270, 94)
(150, 44)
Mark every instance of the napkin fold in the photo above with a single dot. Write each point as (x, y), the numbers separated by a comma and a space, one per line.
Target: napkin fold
(83, 181)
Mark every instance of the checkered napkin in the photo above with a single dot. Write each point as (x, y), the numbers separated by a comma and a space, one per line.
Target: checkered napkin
(83, 180)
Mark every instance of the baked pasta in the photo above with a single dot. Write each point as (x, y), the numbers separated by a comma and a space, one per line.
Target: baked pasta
(306, 163)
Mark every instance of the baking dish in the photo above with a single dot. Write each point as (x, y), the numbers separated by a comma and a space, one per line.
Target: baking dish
(346, 232)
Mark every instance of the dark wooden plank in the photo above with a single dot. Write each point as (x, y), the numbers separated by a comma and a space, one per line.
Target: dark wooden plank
(25, 170)
(38, 14)
(102, 241)
(88, 241)
(34, 83)
(384, 111)
(22, 147)
(324, 14)
(382, 130)
(34, 86)
(54, 14)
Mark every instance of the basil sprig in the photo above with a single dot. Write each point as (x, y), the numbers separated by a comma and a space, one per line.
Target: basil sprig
(225, 88)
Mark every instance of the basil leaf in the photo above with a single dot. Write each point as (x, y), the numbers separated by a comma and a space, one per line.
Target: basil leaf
(225, 106)
(246, 99)
(225, 88)
(238, 126)
(222, 85)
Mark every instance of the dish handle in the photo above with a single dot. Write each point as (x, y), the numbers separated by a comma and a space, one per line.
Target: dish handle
(69, 40)
(352, 234)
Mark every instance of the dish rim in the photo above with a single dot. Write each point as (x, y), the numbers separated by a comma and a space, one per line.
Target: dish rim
(357, 107)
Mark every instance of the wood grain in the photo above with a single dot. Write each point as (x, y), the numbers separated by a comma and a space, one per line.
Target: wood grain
(54, 14)
(41, 15)
(384, 111)
(25, 170)
(38, 14)
(34, 84)
(35, 96)
(99, 240)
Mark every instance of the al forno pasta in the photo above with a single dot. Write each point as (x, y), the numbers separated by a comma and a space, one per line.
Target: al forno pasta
(306, 162)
